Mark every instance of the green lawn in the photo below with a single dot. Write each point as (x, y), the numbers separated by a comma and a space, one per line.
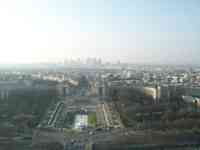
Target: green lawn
(92, 119)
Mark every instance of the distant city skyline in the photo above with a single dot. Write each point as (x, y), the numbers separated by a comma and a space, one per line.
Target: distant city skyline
(139, 31)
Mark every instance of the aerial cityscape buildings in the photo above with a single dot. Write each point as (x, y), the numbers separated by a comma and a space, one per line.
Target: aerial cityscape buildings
(96, 107)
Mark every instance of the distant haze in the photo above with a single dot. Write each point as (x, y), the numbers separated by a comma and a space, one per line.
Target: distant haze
(137, 31)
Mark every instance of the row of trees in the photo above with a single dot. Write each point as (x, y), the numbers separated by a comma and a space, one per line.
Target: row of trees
(26, 107)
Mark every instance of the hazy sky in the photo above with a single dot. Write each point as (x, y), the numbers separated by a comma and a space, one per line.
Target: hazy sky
(154, 31)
